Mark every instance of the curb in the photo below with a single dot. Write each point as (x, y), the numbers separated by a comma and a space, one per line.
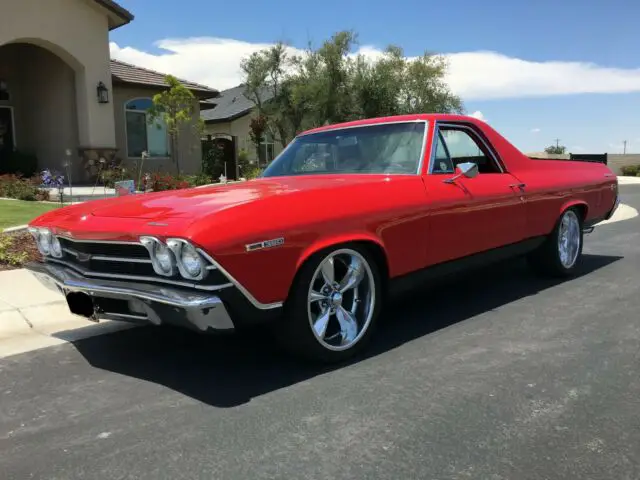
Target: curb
(15, 229)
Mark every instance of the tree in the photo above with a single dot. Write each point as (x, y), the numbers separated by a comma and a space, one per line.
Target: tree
(175, 107)
(257, 131)
(556, 149)
(330, 84)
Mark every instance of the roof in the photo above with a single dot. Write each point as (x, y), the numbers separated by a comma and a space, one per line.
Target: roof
(126, 73)
(416, 117)
(231, 104)
(124, 15)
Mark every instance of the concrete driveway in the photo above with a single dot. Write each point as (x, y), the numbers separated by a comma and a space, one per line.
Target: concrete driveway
(497, 375)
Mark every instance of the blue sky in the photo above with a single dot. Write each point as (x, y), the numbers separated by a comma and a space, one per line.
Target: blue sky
(499, 54)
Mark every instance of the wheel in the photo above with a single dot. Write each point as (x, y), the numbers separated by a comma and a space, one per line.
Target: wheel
(561, 252)
(333, 306)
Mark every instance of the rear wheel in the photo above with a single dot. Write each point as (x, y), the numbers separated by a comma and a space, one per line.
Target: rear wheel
(334, 304)
(561, 252)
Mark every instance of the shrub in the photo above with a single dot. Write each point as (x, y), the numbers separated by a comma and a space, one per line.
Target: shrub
(198, 180)
(631, 170)
(20, 163)
(159, 182)
(252, 171)
(15, 186)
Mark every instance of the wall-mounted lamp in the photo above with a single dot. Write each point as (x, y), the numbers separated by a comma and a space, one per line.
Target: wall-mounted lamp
(103, 93)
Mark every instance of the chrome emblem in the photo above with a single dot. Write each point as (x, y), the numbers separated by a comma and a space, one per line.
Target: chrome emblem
(83, 257)
(265, 244)
(158, 224)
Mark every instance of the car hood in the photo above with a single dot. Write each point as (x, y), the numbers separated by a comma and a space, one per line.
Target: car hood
(193, 203)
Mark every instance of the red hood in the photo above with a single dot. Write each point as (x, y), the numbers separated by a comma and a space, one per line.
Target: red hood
(193, 203)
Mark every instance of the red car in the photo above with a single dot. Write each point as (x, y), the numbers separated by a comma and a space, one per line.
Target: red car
(343, 216)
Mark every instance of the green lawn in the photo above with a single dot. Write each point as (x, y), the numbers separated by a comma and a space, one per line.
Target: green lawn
(17, 212)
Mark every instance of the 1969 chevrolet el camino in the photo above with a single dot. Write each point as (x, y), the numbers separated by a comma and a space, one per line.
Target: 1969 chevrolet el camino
(344, 215)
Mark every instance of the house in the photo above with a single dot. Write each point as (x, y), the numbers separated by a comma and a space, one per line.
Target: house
(65, 100)
(229, 117)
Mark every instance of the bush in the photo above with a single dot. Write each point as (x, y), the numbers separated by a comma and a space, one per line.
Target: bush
(20, 163)
(252, 171)
(159, 182)
(198, 180)
(631, 170)
(15, 186)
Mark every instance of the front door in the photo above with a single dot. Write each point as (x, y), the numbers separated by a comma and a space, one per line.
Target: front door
(470, 215)
(6, 135)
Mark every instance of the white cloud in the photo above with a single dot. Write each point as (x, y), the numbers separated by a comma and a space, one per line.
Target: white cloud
(477, 75)
(535, 130)
(479, 115)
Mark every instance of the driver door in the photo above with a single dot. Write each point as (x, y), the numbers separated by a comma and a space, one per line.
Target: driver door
(470, 215)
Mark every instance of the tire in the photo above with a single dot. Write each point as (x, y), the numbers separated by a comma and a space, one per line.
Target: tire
(343, 338)
(550, 259)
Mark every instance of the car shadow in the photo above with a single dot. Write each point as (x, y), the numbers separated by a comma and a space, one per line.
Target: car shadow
(229, 370)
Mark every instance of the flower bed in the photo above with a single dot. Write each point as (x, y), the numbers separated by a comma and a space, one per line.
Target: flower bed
(16, 249)
(21, 188)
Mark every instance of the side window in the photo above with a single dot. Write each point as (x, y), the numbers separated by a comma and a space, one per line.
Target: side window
(442, 161)
(463, 147)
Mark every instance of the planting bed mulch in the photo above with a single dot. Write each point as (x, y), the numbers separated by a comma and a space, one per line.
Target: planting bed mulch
(16, 249)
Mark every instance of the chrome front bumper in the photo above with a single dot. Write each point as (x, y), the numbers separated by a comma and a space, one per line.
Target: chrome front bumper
(137, 302)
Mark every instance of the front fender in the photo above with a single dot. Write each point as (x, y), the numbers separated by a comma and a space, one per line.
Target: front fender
(338, 239)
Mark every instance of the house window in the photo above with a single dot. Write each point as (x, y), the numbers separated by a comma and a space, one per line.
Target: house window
(142, 133)
(266, 149)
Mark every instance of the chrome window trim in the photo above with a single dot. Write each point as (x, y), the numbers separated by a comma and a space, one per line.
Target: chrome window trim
(472, 133)
(367, 124)
(89, 273)
(419, 165)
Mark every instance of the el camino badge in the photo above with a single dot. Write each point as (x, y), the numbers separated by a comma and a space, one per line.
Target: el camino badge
(265, 244)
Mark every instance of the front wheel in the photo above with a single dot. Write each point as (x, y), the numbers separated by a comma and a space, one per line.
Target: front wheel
(333, 305)
(561, 253)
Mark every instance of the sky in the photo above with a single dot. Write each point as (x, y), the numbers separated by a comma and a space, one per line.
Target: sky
(536, 70)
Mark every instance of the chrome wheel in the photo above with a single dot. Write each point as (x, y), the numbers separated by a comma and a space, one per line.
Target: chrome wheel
(341, 299)
(569, 239)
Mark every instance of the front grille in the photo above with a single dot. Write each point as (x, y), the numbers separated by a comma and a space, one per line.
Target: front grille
(126, 261)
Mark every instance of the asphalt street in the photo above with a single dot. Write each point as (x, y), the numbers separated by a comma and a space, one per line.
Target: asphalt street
(493, 375)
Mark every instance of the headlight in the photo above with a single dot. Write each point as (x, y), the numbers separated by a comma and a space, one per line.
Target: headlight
(42, 237)
(190, 262)
(162, 258)
(56, 248)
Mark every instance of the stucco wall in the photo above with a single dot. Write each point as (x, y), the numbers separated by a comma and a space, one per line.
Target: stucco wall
(77, 31)
(190, 146)
(240, 128)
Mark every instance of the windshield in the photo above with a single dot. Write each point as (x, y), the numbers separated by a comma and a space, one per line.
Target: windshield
(389, 148)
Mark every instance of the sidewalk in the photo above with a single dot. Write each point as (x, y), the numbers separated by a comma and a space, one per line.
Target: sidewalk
(33, 317)
(622, 180)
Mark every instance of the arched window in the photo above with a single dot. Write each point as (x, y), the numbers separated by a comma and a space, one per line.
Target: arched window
(143, 135)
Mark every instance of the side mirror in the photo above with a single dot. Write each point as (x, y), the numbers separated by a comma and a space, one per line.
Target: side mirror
(467, 169)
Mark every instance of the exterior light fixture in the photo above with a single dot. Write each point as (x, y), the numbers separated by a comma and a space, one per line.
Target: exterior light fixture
(103, 93)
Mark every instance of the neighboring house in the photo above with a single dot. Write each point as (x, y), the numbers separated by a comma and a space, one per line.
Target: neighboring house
(230, 116)
(63, 99)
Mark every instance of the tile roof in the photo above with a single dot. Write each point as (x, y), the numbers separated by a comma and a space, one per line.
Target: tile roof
(126, 73)
(231, 104)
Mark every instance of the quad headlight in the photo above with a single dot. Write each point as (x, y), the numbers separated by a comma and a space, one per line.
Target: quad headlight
(47, 243)
(176, 254)
(190, 263)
